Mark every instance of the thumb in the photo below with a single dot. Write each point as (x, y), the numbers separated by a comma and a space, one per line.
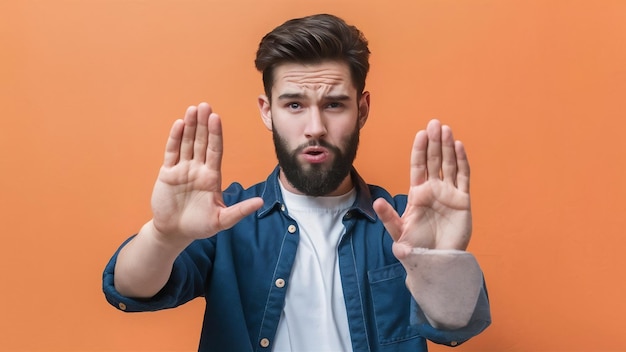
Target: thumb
(391, 220)
(233, 214)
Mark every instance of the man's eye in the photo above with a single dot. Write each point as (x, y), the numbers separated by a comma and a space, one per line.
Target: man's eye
(293, 106)
(335, 105)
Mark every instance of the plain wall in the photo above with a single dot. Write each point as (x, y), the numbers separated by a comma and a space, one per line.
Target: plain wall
(535, 90)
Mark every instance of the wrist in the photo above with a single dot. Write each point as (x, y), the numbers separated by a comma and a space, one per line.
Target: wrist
(165, 241)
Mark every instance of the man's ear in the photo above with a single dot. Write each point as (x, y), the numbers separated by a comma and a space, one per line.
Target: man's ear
(364, 108)
(266, 112)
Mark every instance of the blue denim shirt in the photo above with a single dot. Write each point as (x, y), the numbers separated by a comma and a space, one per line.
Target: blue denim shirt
(243, 274)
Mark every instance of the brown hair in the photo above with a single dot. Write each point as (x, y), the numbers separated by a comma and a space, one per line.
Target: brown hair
(313, 39)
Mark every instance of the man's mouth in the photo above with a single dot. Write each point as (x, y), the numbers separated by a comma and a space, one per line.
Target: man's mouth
(315, 154)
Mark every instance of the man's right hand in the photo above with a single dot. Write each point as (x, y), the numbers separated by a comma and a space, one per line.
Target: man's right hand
(187, 204)
(187, 199)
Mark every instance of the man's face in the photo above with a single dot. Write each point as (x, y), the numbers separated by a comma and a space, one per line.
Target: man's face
(315, 120)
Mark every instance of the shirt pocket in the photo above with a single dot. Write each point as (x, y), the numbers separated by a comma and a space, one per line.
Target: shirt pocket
(391, 301)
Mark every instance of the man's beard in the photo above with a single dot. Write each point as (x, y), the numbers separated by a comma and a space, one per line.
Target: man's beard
(317, 180)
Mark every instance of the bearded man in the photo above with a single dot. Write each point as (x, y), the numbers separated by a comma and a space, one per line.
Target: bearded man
(313, 258)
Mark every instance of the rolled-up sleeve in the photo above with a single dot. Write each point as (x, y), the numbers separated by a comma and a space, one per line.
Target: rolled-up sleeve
(186, 282)
(481, 319)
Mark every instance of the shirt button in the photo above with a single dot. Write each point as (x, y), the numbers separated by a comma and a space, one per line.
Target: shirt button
(264, 342)
(282, 207)
(291, 228)
(348, 215)
(453, 343)
(122, 306)
(280, 283)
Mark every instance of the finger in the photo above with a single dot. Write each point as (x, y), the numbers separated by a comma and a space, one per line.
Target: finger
(215, 146)
(233, 214)
(433, 151)
(391, 220)
(449, 167)
(202, 133)
(172, 147)
(418, 159)
(189, 133)
(463, 175)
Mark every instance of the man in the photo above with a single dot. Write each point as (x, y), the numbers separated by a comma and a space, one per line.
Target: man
(312, 259)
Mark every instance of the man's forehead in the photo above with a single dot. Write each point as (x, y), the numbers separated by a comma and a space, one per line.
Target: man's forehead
(328, 76)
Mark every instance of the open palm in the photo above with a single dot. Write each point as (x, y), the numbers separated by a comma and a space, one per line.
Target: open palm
(187, 197)
(438, 213)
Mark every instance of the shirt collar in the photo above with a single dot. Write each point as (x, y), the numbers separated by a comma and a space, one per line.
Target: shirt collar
(273, 198)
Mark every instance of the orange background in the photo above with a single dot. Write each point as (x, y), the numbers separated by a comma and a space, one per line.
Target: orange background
(535, 89)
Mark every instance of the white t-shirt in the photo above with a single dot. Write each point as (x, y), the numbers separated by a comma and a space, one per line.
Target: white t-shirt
(314, 317)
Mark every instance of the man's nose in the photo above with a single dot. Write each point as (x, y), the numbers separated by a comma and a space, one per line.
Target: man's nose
(316, 126)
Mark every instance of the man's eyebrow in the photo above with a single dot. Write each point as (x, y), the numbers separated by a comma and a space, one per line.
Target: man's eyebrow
(300, 96)
(289, 96)
(338, 97)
